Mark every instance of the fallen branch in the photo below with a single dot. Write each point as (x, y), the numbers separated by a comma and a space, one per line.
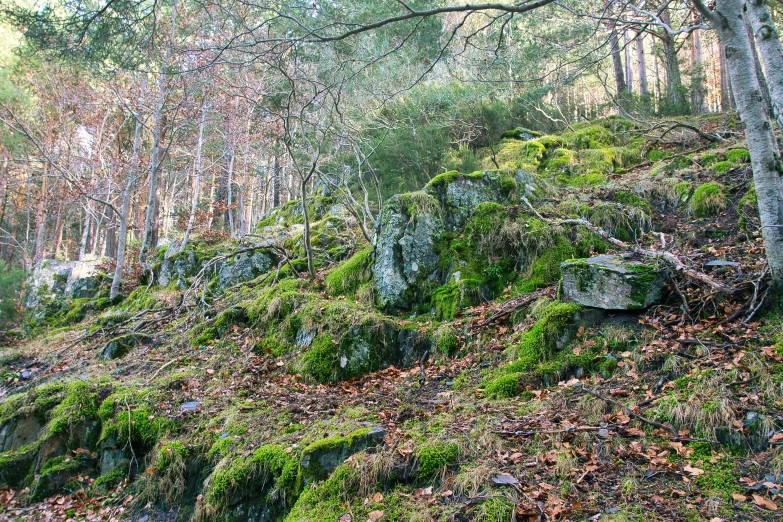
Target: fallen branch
(509, 307)
(673, 261)
(632, 413)
(161, 369)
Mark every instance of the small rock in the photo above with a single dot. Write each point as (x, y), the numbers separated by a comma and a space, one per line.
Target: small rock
(191, 406)
(611, 283)
(603, 433)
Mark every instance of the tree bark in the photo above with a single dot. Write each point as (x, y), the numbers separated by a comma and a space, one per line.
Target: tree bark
(628, 66)
(726, 96)
(641, 66)
(729, 22)
(697, 74)
(674, 89)
(771, 50)
(197, 181)
(40, 220)
(617, 61)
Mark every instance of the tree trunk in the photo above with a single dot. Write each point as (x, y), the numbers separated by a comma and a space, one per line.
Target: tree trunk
(306, 232)
(150, 237)
(58, 231)
(275, 182)
(759, 70)
(697, 74)
(85, 230)
(628, 66)
(617, 61)
(674, 89)
(730, 24)
(726, 96)
(771, 50)
(641, 66)
(40, 220)
(197, 181)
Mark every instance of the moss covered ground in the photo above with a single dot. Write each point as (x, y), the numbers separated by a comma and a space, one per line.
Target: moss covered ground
(211, 419)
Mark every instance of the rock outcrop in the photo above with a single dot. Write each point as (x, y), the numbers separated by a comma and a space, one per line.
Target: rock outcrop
(410, 225)
(55, 279)
(611, 283)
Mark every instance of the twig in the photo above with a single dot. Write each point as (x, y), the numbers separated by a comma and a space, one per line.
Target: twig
(161, 369)
(509, 307)
(633, 414)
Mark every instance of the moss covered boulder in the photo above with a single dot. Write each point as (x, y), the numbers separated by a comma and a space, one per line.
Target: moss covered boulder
(120, 346)
(320, 458)
(405, 248)
(612, 283)
(245, 266)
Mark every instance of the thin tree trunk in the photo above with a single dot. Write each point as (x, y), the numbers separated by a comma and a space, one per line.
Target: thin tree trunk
(41, 216)
(275, 182)
(628, 66)
(197, 181)
(641, 66)
(729, 22)
(617, 61)
(58, 231)
(674, 89)
(697, 74)
(85, 230)
(726, 96)
(150, 237)
(771, 50)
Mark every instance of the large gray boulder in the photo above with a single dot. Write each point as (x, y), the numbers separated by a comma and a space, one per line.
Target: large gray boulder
(405, 254)
(178, 268)
(410, 225)
(244, 267)
(52, 278)
(611, 283)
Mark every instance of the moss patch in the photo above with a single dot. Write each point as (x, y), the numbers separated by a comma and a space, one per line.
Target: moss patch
(708, 199)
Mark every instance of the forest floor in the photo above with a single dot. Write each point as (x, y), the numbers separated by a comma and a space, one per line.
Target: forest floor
(578, 447)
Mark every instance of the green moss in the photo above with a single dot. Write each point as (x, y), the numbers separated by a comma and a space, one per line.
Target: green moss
(450, 298)
(417, 203)
(632, 200)
(446, 340)
(320, 358)
(447, 178)
(434, 458)
(503, 386)
(540, 341)
(269, 471)
(738, 156)
(682, 190)
(560, 161)
(657, 154)
(79, 404)
(351, 274)
(110, 480)
(521, 133)
(495, 510)
(590, 136)
(128, 415)
(708, 159)
(722, 167)
(327, 500)
(708, 199)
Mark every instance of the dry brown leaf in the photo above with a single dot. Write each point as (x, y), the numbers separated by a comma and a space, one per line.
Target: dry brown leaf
(764, 502)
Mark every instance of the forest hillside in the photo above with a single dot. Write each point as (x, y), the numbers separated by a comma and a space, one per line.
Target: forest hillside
(486, 354)
(386, 260)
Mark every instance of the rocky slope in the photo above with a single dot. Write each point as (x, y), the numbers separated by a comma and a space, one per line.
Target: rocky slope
(481, 358)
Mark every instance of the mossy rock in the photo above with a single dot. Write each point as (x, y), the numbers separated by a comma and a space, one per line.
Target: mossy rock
(349, 275)
(124, 344)
(611, 283)
(320, 458)
(260, 486)
(708, 199)
(434, 458)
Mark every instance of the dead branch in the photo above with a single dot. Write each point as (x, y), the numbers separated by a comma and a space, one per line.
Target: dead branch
(509, 307)
(673, 261)
(628, 411)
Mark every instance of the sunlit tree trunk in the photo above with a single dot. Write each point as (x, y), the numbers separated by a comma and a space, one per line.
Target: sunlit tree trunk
(641, 66)
(728, 21)
(771, 51)
(697, 74)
